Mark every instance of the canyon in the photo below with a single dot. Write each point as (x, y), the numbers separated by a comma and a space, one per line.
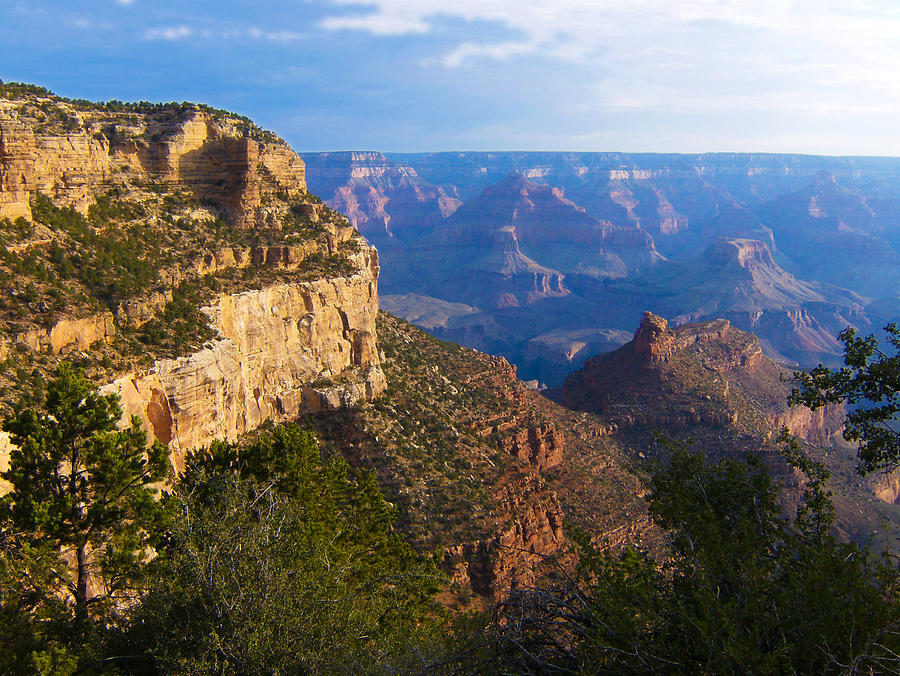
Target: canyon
(175, 253)
(258, 304)
(605, 236)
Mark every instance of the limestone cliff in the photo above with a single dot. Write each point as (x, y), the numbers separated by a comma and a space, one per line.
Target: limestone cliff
(220, 158)
(739, 280)
(386, 201)
(173, 251)
(279, 352)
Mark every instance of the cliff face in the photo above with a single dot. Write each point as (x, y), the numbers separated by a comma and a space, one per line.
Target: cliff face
(739, 280)
(386, 201)
(211, 155)
(280, 351)
(193, 238)
(68, 166)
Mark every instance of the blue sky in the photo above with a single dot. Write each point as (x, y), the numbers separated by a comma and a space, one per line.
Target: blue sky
(409, 75)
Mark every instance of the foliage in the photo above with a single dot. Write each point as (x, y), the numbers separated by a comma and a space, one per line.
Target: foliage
(78, 524)
(741, 589)
(21, 90)
(18, 90)
(870, 384)
(280, 562)
(181, 324)
(111, 261)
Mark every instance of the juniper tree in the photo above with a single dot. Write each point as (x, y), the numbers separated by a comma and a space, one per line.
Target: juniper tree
(869, 383)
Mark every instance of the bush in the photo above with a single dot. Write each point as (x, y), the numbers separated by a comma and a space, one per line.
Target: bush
(740, 589)
(281, 562)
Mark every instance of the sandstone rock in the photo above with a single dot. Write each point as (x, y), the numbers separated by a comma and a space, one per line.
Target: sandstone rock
(5, 448)
(65, 166)
(817, 427)
(519, 555)
(71, 334)
(214, 157)
(274, 345)
(539, 446)
(653, 337)
(887, 488)
(138, 311)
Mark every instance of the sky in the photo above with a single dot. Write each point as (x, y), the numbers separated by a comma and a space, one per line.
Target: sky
(808, 76)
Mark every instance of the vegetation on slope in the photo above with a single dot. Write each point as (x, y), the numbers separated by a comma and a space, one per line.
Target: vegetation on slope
(138, 244)
(270, 557)
(267, 557)
(54, 114)
(740, 589)
(435, 439)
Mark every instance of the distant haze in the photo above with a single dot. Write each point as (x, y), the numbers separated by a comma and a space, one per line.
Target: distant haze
(805, 76)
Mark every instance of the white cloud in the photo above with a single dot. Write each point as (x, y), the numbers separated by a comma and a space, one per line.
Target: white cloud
(125, 2)
(273, 36)
(499, 50)
(169, 33)
(182, 32)
(377, 24)
(801, 55)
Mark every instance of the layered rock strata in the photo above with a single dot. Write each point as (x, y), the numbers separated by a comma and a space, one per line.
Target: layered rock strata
(215, 157)
(70, 334)
(280, 351)
(707, 374)
(518, 556)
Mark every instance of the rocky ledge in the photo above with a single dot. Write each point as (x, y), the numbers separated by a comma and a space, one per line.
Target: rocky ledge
(280, 351)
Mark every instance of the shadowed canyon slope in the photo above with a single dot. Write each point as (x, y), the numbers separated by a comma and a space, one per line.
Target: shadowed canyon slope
(709, 384)
(543, 244)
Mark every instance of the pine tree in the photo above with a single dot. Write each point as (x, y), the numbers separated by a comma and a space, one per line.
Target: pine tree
(78, 527)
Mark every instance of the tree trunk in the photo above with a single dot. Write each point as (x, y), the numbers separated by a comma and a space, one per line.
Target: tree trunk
(81, 582)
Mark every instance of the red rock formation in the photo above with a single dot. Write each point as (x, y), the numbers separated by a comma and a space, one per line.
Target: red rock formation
(653, 338)
(708, 374)
(517, 556)
(540, 446)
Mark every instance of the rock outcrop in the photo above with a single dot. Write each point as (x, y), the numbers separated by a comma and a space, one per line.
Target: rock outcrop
(71, 334)
(218, 158)
(708, 374)
(540, 446)
(709, 387)
(280, 351)
(653, 338)
(519, 556)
